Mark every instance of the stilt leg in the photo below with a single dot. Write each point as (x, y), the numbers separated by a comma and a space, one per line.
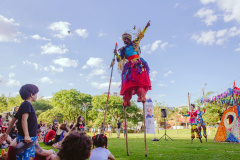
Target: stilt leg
(144, 126)
(125, 120)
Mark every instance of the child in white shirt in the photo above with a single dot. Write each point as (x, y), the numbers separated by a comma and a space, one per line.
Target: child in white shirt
(100, 152)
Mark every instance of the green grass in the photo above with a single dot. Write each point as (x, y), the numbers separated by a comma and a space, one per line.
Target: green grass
(180, 148)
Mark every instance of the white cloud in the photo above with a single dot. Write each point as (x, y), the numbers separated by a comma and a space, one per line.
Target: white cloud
(93, 62)
(206, 14)
(35, 66)
(53, 49)
(162, 95)
(55, 69)
(161, 84)
(12, 67)
(8, 31)
(71, 84)
(155, 45)
(82, 33)
(1, 77)
(11, 75)
(12, 82)
(164, 45)
(66, 62)
(221, 33)
(105, 85)
(205, 37)
(80, 74)
(172, 81)
(103, 77)
(37, 37)
(149, 48)
(230, 8)
(216, 37)
(236, 50)
(96, 72)
(146, 48)
(234, 31)
(61, 27)
(152, 75)
(101, 34)
(46, 80)
(207, 1)
(168, 73)
(176, 5)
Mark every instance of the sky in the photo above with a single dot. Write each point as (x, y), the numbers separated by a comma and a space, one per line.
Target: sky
(190, 45)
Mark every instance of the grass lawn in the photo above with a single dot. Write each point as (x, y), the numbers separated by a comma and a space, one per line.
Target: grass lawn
(180, 148)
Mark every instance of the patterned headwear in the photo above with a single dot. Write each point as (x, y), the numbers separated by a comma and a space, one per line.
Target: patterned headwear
(127, 35)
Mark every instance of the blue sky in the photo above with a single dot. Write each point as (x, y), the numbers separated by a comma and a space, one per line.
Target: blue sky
(188, 44)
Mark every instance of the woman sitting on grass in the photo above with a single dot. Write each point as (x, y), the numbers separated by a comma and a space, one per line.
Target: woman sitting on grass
(100, 152)
(60, 134)
(75, 146)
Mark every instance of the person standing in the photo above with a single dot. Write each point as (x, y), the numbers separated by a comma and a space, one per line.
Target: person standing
(118, 129)
(26, 121)
(55, 121)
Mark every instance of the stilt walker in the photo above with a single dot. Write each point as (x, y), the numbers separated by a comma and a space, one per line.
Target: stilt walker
(134, 74)
(200, 123)
(193, 122)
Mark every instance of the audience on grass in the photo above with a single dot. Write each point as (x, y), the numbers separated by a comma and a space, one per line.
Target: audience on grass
(49, 138)
(75, 146)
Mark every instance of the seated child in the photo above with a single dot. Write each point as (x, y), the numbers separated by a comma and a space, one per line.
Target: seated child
(100, 152)
(75, 146)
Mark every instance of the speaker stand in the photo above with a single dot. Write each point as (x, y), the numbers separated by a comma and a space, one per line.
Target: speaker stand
(165, 131)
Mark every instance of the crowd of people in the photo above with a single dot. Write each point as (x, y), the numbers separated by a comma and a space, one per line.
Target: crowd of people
(22, 135)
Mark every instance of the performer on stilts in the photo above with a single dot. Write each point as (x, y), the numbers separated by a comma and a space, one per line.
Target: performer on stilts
(134, 71)
(200, 123)
(193, 122)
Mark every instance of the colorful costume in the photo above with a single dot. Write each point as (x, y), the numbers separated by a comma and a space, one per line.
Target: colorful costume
(193, 123)
(135, 72)
(201, 124)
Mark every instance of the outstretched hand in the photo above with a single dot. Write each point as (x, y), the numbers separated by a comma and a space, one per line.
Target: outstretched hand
(3, 137)
(148, 24)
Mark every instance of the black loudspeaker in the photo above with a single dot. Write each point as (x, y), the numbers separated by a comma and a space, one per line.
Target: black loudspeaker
(163, 113)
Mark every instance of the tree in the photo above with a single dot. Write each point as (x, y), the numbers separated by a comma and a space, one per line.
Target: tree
(157, 112)
(14, 101)
(41, 105)
(3, 104)
(213, 111)
(69, 103)
(114, 111)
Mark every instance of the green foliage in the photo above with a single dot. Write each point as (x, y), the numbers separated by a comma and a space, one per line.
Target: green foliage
(15, 101)
(115, 110)
(41, 105)
(3, 103)
(67, 104)
(213, 112)
(49, 115)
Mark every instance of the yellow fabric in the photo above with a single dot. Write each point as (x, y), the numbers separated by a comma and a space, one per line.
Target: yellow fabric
(121, 64)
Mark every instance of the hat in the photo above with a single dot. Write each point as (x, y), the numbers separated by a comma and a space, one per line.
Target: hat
(127, 35)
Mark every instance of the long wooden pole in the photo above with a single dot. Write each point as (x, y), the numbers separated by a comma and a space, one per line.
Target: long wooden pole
(188, 102)
(112, 64)
(144, 126)
(125, 120)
